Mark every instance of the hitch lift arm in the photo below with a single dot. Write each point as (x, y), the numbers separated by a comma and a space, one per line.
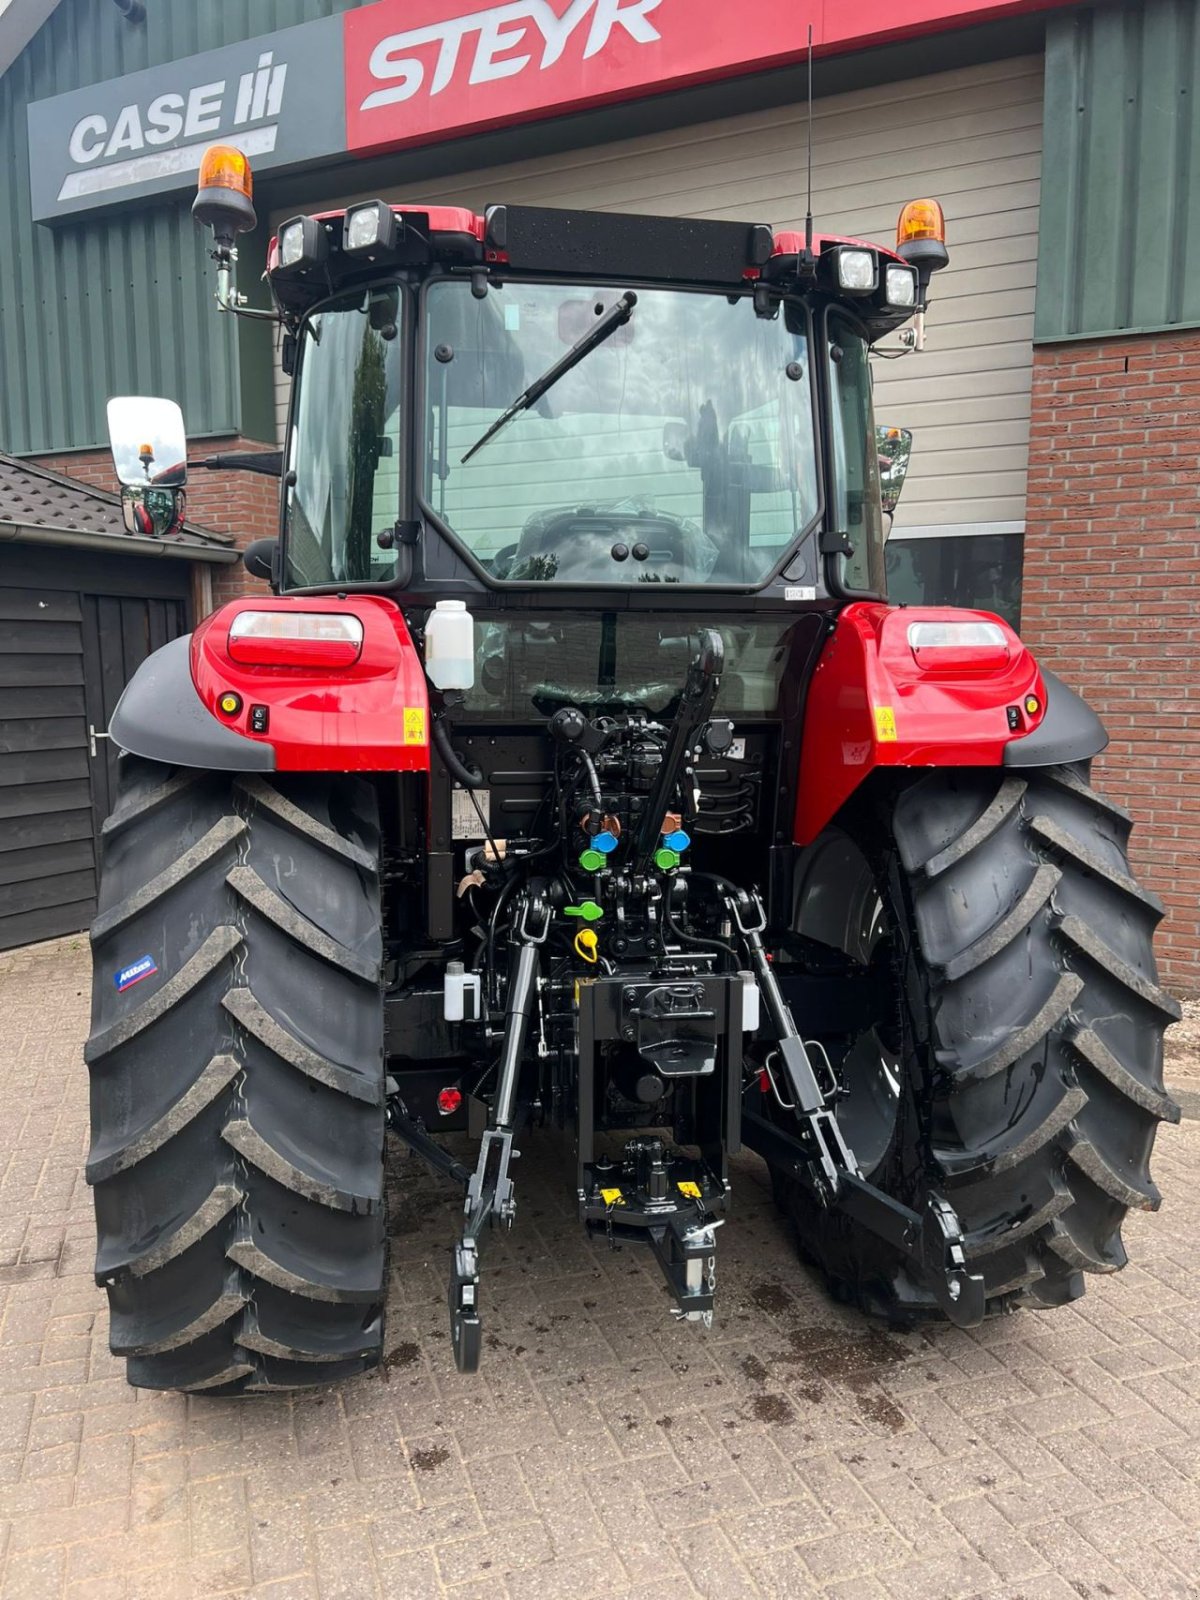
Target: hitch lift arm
(489, 1188)
(818, 1154)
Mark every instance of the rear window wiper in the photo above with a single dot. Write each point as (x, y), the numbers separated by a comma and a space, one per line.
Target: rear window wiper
(617, 315)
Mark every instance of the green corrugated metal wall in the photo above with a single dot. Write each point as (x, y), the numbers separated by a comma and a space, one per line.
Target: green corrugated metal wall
(122, 303)
(1120, 211)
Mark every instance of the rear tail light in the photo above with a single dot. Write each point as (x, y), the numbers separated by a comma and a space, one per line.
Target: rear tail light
(295, 639)
(944, 645)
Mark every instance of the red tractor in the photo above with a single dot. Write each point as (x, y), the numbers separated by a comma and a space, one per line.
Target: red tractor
(577, 774)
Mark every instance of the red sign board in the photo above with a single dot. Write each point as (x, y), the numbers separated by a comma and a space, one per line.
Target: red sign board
(421, 70)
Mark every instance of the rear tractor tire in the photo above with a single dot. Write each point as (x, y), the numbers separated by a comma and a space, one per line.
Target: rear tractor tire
(237, 1086)
(1014, 1063)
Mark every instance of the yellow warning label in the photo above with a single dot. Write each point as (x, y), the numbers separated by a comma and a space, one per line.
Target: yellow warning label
(611, 1197)
(414, 725)
(885, 724)
(690, 1190)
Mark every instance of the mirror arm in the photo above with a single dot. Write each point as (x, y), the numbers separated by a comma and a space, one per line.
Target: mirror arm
(267, 462)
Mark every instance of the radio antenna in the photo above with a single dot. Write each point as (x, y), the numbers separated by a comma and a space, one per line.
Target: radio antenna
(808, 219)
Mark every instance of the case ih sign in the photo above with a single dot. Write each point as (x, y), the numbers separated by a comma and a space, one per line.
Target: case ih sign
(415, 71)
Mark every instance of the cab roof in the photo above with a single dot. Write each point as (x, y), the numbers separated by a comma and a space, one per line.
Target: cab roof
(580, 244)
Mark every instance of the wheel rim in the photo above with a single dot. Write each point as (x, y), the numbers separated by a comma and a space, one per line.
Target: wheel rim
(839, 905)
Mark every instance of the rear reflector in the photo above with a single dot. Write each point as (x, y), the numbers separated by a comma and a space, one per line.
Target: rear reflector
(295, 639)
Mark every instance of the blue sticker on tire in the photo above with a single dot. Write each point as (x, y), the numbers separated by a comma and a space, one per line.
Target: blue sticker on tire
(146, 967)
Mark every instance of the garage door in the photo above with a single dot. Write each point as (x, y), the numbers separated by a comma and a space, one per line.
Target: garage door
(972, 137)
(65, 656)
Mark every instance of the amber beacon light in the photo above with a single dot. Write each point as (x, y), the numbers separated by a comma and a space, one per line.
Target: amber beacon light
(224, 194)
(921, 220)
(921, 241)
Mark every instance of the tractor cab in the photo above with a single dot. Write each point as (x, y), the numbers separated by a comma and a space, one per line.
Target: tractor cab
(534, 399)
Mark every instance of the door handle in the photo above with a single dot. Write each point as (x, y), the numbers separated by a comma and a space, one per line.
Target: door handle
(93, 735)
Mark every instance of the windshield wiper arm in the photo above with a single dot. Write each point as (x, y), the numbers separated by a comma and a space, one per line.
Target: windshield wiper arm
(617, 315)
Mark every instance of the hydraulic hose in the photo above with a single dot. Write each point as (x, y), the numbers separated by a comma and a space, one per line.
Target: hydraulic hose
(717, 945)
(469, 777)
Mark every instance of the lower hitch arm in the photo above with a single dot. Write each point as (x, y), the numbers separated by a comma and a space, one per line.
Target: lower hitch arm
(932, 1240)
(490, 1189)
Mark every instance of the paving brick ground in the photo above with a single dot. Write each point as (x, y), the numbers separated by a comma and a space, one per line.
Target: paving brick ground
(604, 1451)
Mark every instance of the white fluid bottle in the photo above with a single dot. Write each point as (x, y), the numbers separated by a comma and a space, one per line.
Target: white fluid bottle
(450, 645)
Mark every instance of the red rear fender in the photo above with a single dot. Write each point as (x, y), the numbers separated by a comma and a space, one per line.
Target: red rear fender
(368, 715)
(886, 693)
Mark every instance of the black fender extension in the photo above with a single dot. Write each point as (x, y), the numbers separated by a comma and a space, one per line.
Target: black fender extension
(1070, 731)
(161, 717)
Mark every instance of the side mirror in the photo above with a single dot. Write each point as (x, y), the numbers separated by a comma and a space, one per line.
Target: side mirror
(259, 558)
(894, 446)
(149, 445)
(151, 512)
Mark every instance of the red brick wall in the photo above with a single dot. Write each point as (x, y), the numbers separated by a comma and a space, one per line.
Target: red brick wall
(245, 504)
(1112, 590)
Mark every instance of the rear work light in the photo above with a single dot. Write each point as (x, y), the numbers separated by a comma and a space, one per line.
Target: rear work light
(295, 639)
(303, 243)
(958, 644)
(900, 285)
(370, 229)
(857, 271)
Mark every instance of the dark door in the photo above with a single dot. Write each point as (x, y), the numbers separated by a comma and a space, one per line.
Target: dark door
(65, 655)
(47, 857)
(118, 634)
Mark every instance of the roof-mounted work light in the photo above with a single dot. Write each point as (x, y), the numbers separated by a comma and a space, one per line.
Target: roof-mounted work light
(857, 270)
(302, 243)
(371, 229)
(224, 194)
(900, 286)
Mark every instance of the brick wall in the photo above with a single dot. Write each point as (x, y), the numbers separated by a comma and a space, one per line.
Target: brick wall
(245, 504)
(1112, 590)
